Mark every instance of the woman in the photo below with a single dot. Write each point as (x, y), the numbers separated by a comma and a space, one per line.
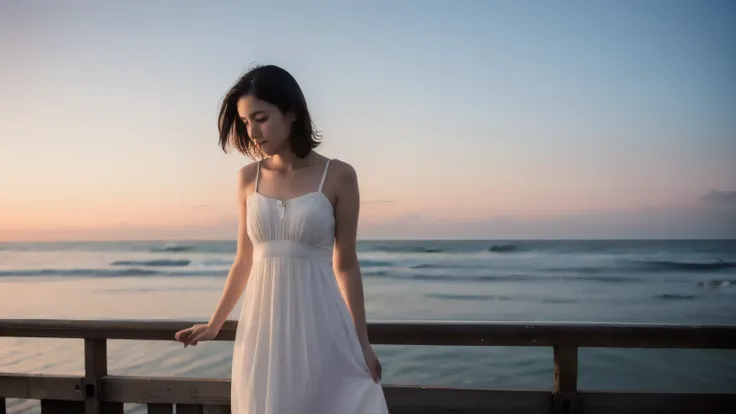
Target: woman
(301, 345)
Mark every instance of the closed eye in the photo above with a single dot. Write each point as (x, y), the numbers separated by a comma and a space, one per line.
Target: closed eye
(259, 120)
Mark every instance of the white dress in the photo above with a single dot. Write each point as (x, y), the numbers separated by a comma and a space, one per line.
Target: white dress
(296, 348)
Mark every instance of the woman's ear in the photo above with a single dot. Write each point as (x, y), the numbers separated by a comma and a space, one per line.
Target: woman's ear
(291, 116)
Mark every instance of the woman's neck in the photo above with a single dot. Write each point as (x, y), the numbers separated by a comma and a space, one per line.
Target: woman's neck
(289, 161)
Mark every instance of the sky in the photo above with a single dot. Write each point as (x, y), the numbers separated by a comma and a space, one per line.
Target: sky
(470, 119)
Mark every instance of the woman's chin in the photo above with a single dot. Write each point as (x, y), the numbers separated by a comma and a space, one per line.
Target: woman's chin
(269, 150)
(263, 149)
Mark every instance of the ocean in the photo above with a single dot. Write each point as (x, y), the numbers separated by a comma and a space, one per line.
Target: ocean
(660, 281)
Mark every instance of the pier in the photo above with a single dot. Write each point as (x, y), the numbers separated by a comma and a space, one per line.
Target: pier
(97, 392)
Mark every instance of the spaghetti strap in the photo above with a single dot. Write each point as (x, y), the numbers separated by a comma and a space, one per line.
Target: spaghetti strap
(324, 175)
(258, 172)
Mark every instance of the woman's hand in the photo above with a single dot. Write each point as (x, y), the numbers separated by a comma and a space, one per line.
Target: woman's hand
(374, 365)
(200, 332)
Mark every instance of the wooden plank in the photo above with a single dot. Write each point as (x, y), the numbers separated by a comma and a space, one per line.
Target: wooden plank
(565, 369)
(146, 390)
(156, 408)
(62, 407)
(655, 403)
(95, 366)
(91, 399)
(110, 329)
(95, 357)
(555, 334)
(578, 334)
(400, 399)
(40, 387)
(565, 382)
(189, 409)
(566, 403)
(414, 400)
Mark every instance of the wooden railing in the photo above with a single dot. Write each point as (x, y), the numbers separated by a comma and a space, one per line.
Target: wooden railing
(98, 392)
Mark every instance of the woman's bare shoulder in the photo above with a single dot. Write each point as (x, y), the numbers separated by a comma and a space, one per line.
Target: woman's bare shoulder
(247, 177)
(342, 171)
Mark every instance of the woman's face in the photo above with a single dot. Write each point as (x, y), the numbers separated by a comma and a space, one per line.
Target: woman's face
(267, 126)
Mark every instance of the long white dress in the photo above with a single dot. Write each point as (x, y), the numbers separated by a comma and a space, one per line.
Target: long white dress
(296, 348)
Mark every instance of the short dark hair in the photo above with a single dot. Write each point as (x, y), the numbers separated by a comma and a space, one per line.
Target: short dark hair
(276, 86)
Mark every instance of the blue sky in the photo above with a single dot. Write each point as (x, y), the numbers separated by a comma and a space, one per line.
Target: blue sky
(555, 117)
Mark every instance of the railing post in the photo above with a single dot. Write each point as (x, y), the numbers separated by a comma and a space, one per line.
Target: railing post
(95, 367)
(565, 380)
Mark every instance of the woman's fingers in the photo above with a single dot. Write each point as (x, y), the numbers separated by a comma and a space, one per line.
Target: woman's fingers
(191, 336)
(196, 336)
(377, 370)
(183, 334)
(374, 371)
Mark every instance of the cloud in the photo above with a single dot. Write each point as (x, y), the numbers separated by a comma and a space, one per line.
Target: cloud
(714, 216)
(720, 197)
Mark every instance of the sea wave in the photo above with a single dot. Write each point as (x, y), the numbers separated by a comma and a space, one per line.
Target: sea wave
(79, 272)
(403, 248)
(427, 266)
(174, 248)
(684, 266)
(504, 278)
(669, 296)
(647, 266)
(376, 263)
(619, 271)
(104, 272)
(374, 273)
(152, 263)
(717, 283)
(460, 296)
(212, 263)
(505, 248)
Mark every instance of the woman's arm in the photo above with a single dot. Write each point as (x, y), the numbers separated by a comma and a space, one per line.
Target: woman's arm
(345, 256)
(345, 259)
(238, 276)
